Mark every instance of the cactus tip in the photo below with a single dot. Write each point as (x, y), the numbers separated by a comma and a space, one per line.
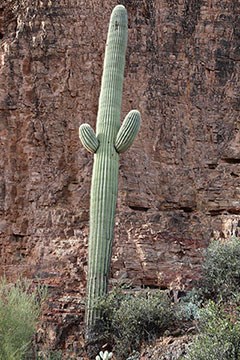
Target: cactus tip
(119, 7)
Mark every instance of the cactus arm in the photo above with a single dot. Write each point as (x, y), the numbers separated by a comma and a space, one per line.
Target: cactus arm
(88, 138)
(128, 131)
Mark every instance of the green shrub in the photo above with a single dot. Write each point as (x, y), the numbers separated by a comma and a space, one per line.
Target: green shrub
(221, 269)
(107, 306)
(131, 319)
(189, 306)
(219, 337)
(19, 312)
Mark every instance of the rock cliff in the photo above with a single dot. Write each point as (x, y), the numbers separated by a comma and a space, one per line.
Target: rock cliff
(179, 183)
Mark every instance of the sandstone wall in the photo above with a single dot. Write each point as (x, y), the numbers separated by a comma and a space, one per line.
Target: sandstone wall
(179, 183)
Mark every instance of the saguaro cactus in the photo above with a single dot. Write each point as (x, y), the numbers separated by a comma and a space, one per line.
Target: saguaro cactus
(110, 140)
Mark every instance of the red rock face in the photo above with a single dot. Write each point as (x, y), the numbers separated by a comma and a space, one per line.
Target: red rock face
(179, 184)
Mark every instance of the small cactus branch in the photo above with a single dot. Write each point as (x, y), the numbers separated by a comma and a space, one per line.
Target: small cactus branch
(88, 138)
(104, 355)
(128, 131)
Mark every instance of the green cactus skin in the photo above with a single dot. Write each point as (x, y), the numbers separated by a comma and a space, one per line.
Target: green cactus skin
(128, 131)
(88, 138)
(110, 140)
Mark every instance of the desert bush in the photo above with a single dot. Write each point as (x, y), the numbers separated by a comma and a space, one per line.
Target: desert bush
(107, 306)
(219, 323)
(132, 319)
(189, 305)
(221, 269)
(219, 337)
(19, 312)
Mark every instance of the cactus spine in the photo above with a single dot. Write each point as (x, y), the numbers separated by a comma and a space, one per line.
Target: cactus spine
(110, 140)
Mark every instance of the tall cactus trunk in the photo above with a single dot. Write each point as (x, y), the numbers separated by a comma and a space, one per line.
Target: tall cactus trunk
(109, 141)
(106, 161)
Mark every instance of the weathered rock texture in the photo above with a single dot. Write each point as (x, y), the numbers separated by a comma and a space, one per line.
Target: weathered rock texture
(179, 183)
